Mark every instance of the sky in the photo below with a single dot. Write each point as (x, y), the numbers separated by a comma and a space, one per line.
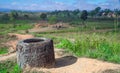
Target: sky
(59, 4)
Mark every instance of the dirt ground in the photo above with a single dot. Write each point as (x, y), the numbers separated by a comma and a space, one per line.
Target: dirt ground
(66, 63)
(48, 27)
(13, 43)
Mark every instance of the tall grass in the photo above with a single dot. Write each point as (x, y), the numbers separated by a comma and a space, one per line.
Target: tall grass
(93, 46)
(9, 67)
(3, 50)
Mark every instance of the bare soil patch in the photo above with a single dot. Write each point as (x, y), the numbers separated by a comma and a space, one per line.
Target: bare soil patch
(13, 43)
(44, 27)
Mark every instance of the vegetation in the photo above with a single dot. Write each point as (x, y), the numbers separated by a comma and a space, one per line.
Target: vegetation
(52, 20)
(84, 16)
(43, 16)
(3, 50)
(6, 28)
(93, 46)
(9, 67)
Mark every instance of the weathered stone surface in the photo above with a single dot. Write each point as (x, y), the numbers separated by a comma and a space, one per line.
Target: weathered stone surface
(35, 52)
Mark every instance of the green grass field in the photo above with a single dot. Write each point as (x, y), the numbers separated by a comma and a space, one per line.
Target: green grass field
(6, 28)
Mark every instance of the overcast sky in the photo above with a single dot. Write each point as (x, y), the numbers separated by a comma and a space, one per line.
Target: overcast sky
(58, 4)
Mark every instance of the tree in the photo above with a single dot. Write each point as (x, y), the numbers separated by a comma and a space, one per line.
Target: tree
(13, 17)
(75, 12)
(117, 12)
(84, 16)
(95, 12)
(5, 17)
(97, 9)
(26, 16)
(52, 19)
(116, 19)
(107, 11)
(92, 13)
(43, 16)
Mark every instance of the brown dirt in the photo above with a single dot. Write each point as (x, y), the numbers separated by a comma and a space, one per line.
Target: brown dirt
(39, 25)
(13, 43)
(66, 63)
(8, 57)
(43, 27)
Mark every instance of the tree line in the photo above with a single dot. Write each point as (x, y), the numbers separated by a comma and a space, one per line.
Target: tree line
(62, 16)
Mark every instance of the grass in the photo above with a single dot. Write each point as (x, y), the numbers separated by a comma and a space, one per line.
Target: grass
(93, 46)
(6, 28)
(23, 27)
(3, 50)
(88, 44)
(9, 67)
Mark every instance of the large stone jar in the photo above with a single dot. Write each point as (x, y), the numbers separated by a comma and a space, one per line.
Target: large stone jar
(35, 52)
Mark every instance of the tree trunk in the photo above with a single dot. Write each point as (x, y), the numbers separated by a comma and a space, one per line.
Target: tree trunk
(35, 52)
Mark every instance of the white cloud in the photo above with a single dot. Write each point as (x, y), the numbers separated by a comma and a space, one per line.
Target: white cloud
(34, 5)
(14, 3)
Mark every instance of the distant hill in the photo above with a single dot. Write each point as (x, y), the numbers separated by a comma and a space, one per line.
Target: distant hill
(8, 10)
(5, 10)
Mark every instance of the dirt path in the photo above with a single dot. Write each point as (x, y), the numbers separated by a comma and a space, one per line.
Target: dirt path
(69, 64)
(8, 57)
(12, 45)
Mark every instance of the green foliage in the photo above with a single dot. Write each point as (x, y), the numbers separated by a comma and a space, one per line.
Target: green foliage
(9, 67)
(52, 19)
(26, 16)
(76, 12)
(43, 16)
(84, 15)
(3, 50)
(107, 11)
(75, 23)
(92, 13)
(93, 46)
(97, 10)
(23, 27)
(5, 17)
(20, 25)
(13, 15)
